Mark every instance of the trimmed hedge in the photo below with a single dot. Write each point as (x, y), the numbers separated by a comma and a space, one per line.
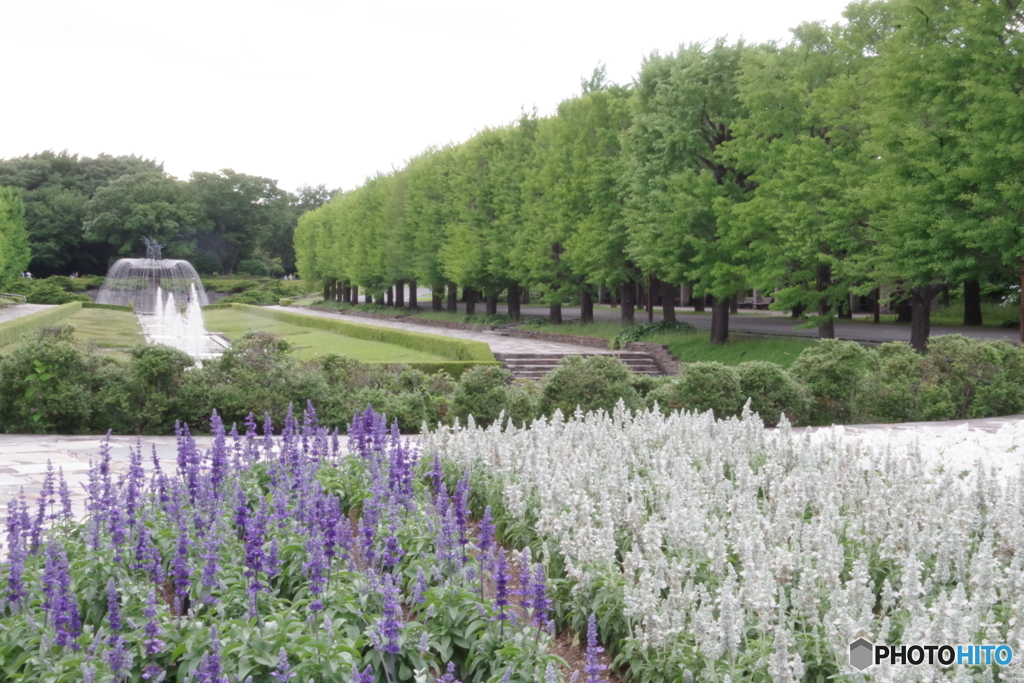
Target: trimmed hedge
(12, 330)
(446, 347)
(109, 307)
(217, 307)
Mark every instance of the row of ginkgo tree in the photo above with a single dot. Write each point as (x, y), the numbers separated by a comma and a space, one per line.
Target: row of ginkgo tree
(849, 159)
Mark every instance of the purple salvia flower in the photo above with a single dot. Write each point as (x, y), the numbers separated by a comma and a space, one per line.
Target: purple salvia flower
(255, 536)
(236, 447)
(364, 676)
(211, 566)
(420, 587)
(437, 477)
(268, 436)
(335, 444)
(117, 658)
(449, 676)
(485, 538)
(218, 455)
(525, 591)
(507, 678)
(241, 510)
(461, 503)
(180, 571)
(65, 496)
(61, 607)
(550, 673)
(210, 669)
(45, 498)
(541, 603)
(158, 483)
(118, 530)
(390, 624)
(147, 555)
(250, 451)
(15, 574)
(154, 673)
(501, 588)
(273, 563)
(280, 674)
(592, 669)
(316, 570)
(88, 673)
(113, 609)
(189, 459)
(13, 523)
(152, 644)
(136, 477)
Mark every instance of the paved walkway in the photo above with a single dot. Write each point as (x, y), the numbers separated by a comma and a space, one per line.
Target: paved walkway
(12, 312)
(499, 342)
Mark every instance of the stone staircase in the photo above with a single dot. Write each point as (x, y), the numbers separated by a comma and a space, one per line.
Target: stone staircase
(537, 365)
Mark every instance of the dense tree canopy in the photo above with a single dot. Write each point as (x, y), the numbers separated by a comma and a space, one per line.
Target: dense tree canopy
(14, 249)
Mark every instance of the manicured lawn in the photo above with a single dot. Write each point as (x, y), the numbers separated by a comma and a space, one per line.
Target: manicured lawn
(992, 315)
(111, 331)
(694, 346)
(605, 329)
(309, 343)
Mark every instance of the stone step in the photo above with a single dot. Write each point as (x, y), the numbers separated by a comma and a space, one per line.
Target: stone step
(537, 365)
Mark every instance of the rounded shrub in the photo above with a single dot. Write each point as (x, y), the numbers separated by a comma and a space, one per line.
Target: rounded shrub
(772, 393)
(592, 383)
(482, 392)
(836, 373)
(982, 378)
(701, 387)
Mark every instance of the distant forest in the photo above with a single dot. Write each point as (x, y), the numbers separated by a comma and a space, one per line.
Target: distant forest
(82, 213)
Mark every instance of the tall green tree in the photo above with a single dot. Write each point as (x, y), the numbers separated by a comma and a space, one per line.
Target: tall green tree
(15, 252)
(802, 136)
(682, 184)
(430, 207)
(139, 205)
(242, 211)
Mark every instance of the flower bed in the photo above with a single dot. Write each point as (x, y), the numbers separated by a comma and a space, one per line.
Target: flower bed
(719, 551)
(266, 559)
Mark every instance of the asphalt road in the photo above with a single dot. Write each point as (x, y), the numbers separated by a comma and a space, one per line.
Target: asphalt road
(761, 322)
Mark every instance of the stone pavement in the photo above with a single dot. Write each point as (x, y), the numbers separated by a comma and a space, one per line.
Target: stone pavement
(499, 342)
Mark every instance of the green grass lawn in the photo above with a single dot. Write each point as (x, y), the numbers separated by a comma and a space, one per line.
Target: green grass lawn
(992, 315)
(694, 346)
(690, 347)
(309, 343)
(112, 332)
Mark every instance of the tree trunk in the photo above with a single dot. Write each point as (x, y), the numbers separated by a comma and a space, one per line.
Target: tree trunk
(876, 306)
(453, 297)
(470, 297)
(719, 320)
(972, 302)
(628, 303)
(650, 300)
(668, 302)
(686, 294)
(734, 303)
(846, 309)
(492, 304)
(555, 314)
(327, 290)
(437, 299)
(389, 297)
(354, 296)
(826, 328)
(921, 315)
(698, 302)
(586, 305)
(526, 296)
(904, 311)
(414, 303)
(513, 301)
(797, 311)
(399, 295)
(368, 298)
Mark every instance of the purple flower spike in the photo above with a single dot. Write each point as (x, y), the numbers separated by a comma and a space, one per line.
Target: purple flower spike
(501, 586)
(281, 673)
(152, 644)
(541, 603)
(390, 623)
(113, 609)
(219, 455)
(364, 676)
(592, 668)
(449, 676)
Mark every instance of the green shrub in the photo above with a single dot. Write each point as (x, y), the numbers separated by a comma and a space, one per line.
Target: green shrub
(981, 378)
(483, 393)
(701, 387)
(523, 406)
(637, 332)
(52, 293)
(772, 393)
(893, 391)
(836, 373)
(590, 383)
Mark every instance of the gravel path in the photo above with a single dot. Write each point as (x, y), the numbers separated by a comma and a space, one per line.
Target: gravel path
(14, 312)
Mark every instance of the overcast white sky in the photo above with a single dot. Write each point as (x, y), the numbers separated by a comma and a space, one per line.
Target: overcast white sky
(315, 91)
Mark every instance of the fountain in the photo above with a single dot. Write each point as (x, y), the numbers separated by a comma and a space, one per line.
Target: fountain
(156, 287)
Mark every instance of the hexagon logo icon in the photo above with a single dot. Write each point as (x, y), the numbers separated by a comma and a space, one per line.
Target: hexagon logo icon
(860, 654)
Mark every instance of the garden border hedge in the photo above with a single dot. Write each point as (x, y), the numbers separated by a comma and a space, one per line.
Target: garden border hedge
(12, 330)
(464, 350)
(108, 307)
